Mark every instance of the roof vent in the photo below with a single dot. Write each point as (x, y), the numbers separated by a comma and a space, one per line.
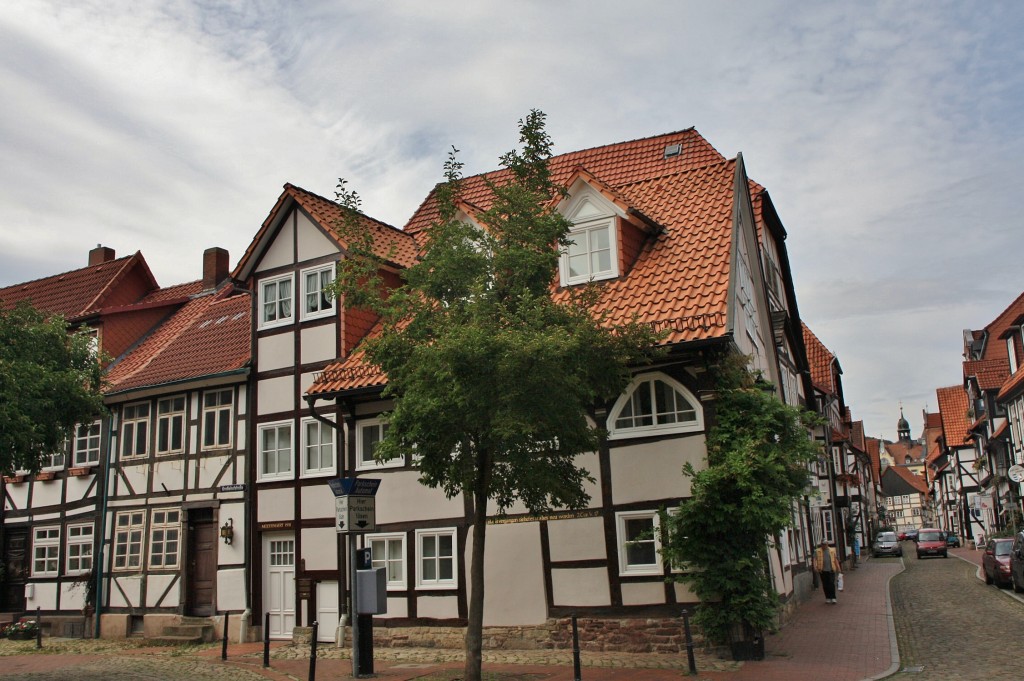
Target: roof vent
(673, 150)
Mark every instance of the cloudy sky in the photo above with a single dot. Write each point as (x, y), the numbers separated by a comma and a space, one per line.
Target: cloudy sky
(888, 134)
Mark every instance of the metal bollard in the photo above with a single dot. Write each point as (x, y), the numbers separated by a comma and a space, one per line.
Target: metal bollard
(224, 643)
(312, 651)
(39, 628)
(576, 675)
(266, 640)
(689, 642)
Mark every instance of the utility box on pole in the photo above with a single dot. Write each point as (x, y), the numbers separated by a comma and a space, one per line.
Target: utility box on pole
(372, 585)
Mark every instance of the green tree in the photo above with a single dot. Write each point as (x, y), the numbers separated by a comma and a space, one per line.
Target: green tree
(759, 449)
(491, 376)
(49, 380)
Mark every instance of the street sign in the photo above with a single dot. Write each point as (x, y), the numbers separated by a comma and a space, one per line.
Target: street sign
(354, 514)
(1016, 473)
(360, 487)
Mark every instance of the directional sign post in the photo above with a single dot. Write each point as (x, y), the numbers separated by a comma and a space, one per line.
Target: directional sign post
(355, 514)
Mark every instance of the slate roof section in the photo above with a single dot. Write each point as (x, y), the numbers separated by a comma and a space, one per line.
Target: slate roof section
(209, 336)
(913, 481)
(78, 293)
(390, 244)
(679, 282)
(955, 422)
(820, 359)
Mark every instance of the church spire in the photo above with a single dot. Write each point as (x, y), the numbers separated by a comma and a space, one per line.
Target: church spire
(903, 427)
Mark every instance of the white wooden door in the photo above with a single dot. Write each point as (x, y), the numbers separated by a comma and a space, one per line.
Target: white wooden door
(327, 610)
(279, 583)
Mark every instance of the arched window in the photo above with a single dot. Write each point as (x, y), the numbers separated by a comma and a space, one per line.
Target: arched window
(654, 404)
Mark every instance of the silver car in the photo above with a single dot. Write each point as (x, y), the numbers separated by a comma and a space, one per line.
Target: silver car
(886, 544)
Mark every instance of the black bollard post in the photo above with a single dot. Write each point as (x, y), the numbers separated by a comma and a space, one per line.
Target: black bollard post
(689, 642)
(39, 628)
(312, 651)
(576, 674)
(266, 640)
(224, 643)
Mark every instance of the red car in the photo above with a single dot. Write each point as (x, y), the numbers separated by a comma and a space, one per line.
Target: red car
(931, 542)
(996, 561)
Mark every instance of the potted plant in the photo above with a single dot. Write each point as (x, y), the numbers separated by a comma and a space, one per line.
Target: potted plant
(25, 630)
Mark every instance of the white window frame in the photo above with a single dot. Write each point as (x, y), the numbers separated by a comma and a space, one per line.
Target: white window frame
(1011, 353)
(828, 525)
(279, 319)
(361, 462)
(130, 429)
(56, 460)
(276, 474)
(132, 535)
(87, 444)
(46, 540)
(165, 424)
(305, 446)
(218, 413)
(625, 567)
(400, 582)
(645, 381)
(325, 306)
(582, 231)
(79, 549)
(437, 583)
(164, 530)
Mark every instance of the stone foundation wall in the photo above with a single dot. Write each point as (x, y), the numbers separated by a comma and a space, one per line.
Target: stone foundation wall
(595, 635)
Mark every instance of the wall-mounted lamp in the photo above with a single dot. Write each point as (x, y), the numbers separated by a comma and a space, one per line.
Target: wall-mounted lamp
(227, 531)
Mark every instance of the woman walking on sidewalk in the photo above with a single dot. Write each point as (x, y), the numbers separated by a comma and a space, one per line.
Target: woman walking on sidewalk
(826, 564)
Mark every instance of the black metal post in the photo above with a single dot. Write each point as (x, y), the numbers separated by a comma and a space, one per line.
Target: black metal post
(266, 640)
(39, 628)
(689, 642)
(312, 650)
(224, 642)
(576, 674)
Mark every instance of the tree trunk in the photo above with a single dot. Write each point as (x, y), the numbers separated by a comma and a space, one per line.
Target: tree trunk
(474, 629)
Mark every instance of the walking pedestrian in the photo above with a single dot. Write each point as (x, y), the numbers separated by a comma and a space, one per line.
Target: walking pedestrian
(826, 564)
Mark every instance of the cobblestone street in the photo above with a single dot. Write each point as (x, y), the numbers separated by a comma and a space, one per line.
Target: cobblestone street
(951, 625)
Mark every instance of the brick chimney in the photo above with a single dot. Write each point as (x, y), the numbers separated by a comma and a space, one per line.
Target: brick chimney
(100, 255)
(215, 267)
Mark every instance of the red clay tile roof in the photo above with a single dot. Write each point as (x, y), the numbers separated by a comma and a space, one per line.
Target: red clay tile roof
(77, 293)
(953, 407)
(990, 373)
(899, 451)
(390, 243)
(994, 349)
(1013, 385)
(821, 361)
(210, 335)
(857, 435)
(680, 280)
(873, 444)
(933, 420)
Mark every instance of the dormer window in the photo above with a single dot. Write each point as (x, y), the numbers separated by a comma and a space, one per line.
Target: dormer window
(1011, 354)
(592, 254)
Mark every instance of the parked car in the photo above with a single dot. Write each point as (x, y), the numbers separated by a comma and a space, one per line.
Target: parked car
(952, 540)
(886, 544)
(1017, 562)
(932, 542)
(903, 535)
(912, 534)
(996, 561)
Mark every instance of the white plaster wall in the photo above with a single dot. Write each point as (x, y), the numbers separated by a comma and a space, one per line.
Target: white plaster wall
(280, 252)
(46, 493)
(397, 607)
(72, 596)
(684, 594)
(317, 501)
(654, 470)
(131, 586)
(235, 553)
(210, 467)
(320, 548)
(44, 595)
(77, 487)
(306, 380)
(643, 593)
(319, 343)
(589, 462)
(276, 394)
(275, 504)
(18, 493)
(137, 477)
(581, 539)
(438, 607)
(231, 589)
(155, 587)
(170, 473)
(312, 242)
(402, 498)
(513, 566)
(581, 587)
(275, 352)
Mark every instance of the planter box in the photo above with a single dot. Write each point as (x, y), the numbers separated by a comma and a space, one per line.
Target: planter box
(46, 475)
(12, 479)
(78, 472)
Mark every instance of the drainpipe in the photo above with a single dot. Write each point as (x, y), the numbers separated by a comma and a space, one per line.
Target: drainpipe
(105, 468)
